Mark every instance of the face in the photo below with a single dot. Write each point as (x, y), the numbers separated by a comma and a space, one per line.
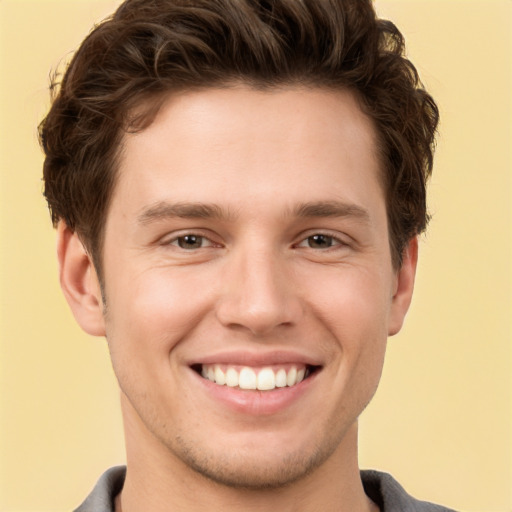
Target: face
(248, 282)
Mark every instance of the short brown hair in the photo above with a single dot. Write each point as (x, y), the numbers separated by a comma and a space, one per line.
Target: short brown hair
(149, 48)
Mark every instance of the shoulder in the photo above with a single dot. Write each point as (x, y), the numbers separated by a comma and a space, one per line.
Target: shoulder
(382, 488)
(102, 496)
(390, 496)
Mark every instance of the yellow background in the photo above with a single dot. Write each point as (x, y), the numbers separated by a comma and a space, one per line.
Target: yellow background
(441, 421)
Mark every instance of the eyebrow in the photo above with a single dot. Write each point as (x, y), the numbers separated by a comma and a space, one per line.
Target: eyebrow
(331, 209)
(164, 210)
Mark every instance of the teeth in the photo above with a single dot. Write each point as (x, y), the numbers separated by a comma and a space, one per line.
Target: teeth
(247, 378)
(281, 378)
(291, 378)
(232, 378)
(220, 377)
(266, 379)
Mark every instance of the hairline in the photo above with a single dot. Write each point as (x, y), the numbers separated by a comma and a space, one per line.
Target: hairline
(137, 121)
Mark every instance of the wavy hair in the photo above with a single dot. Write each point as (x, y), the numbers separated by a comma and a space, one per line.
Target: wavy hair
(149, 48)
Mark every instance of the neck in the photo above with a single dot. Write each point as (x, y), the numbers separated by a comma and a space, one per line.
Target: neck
(158, 481)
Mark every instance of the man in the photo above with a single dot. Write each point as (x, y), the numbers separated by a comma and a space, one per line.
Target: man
(238, 187)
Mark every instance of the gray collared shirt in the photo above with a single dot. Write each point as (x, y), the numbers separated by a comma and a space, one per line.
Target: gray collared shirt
(382, 488)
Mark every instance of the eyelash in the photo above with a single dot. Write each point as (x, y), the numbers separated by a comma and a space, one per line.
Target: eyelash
(176, 241)
(335, 241)
(331, 239)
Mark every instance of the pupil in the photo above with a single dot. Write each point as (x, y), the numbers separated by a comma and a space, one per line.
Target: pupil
(190, 242)
(320, 241)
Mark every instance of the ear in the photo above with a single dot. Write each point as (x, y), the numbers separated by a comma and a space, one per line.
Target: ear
(404, 286)
(79, 281)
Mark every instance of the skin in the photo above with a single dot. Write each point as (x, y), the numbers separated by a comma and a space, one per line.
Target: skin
(279, 168)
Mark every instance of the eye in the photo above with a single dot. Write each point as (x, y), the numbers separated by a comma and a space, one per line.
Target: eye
(191, 241)
(320, 241)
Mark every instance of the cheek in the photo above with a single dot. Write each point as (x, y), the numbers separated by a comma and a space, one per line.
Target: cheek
(354, 307)
(149, 315)
(354, 301)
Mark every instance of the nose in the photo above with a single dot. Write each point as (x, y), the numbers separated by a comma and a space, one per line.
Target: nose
(258, 294)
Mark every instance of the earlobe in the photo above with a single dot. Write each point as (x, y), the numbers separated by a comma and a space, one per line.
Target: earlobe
(402, 297)
(79, 281)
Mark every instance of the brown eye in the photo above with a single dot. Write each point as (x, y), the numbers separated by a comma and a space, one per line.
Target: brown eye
(320, 241)
(190, 242)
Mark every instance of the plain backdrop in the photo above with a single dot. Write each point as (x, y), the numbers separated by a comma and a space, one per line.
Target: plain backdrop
(441, 420)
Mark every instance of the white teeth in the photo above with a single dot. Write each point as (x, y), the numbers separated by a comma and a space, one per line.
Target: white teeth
(291, 378)
(220, 377)
(281, 378)
(266, 379)
(232, 378)
(247, 378)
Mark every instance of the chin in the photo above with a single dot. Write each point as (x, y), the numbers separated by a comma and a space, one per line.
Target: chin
(254, 468)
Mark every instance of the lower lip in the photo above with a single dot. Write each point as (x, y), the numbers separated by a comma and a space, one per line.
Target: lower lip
(255, 402)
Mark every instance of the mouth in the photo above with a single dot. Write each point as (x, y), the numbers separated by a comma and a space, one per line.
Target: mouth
(265, 378)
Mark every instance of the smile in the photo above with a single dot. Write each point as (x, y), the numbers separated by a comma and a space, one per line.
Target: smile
(262, 379)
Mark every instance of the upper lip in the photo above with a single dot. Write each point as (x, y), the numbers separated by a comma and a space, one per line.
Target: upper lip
(257, 358)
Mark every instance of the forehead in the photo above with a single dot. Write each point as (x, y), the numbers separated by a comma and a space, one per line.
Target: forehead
(267, 144)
